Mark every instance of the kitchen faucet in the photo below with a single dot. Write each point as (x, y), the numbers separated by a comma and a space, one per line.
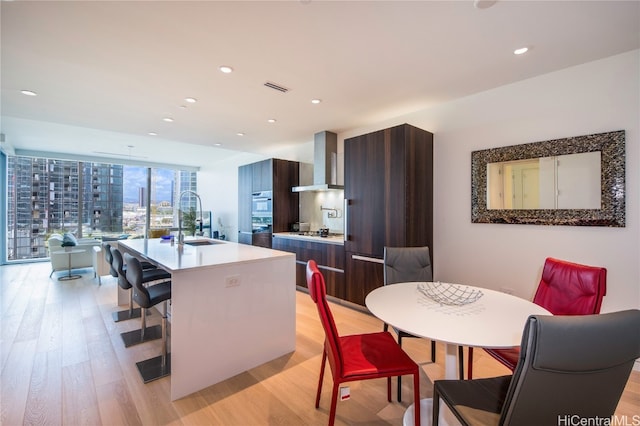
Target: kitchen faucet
(180, 234)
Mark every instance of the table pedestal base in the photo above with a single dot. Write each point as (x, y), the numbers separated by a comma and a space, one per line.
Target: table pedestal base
(426, 413)
(69, 277)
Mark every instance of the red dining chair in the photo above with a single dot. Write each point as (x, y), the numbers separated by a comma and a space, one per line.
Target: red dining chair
(357, 356)
(565, 289)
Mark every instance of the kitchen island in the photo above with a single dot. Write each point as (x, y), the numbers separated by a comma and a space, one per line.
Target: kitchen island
(232, 307)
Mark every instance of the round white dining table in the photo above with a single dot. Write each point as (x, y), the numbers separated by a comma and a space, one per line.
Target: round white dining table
(495, 320)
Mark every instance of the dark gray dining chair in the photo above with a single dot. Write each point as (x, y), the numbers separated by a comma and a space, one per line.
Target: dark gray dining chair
(571, 368)
(407, 264)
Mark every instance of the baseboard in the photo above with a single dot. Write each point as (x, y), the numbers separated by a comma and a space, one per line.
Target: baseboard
(636, 365)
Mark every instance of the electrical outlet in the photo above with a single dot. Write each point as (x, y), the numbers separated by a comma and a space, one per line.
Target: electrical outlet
(232, 281)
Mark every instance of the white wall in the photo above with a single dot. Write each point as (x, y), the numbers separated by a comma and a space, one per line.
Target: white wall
(218, 188)
(596, 97)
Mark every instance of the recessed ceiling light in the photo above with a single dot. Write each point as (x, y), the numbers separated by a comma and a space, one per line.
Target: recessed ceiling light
(182, 107)
(191, 100)
(240, 134)
(316, 101)
(168, 119)
(28, 93)
(521, 51)
(225, 69)
(217, 144)
(271, 120)
(483, 4)
(153, 134)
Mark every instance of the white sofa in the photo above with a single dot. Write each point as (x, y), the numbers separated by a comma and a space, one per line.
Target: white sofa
(78, 260)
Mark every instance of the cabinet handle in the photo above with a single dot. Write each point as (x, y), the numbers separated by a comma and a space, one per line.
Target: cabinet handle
(367, 259)
(345, 209)
(329, 268)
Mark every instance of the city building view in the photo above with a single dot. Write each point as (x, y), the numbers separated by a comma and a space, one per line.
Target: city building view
(89, 200)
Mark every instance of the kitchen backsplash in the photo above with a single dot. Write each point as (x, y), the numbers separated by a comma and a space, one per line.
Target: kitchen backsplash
(332, 204)
(310, 203)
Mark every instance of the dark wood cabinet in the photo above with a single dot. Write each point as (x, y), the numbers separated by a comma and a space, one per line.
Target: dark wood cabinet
(365, 274)
(329, 257)
(389, 195)
(245, 176)
(262, 175)
(275, 175)
(333, 267)
(286, 204)
(261, 239)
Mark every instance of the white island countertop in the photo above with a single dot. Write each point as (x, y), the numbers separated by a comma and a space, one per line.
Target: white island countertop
(176, 257)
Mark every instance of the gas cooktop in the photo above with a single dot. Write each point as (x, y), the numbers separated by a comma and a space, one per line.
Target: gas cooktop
(307, 233)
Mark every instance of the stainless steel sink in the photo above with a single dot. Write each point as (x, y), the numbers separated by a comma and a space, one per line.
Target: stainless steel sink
(201, 242)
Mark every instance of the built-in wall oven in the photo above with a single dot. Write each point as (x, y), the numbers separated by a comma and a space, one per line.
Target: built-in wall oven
(262, 212)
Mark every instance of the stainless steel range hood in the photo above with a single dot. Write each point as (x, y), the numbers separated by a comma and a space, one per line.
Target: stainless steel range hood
(325, 164)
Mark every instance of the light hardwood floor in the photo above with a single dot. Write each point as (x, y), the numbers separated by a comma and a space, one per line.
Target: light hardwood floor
(63, 363)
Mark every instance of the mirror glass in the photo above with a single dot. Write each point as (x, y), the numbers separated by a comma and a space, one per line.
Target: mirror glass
(571, 181)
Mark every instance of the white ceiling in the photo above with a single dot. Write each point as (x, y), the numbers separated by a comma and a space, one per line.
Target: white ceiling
(107, 72)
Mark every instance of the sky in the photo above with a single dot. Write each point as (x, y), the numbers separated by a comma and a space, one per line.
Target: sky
(135, 178)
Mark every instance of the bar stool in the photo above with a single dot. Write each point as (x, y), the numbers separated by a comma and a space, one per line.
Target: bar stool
(147, 297)
(129, 313)
(143, 334)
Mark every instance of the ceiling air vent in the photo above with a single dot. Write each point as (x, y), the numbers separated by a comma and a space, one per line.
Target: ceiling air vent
(276, 87)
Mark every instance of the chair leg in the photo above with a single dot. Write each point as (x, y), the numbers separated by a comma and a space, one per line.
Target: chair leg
(436, 407)
(324, 360)
(389, 388)
(144, 334)
(433, 351)
(165, 348)
(131, 303)
(461, 362)
(160, 366)
(416, 397)
(130, 313)
(399, 377)
(470, 364)
(334, 401)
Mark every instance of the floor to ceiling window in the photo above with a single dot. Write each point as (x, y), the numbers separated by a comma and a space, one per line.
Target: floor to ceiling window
(162, 194)
(46, 196)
